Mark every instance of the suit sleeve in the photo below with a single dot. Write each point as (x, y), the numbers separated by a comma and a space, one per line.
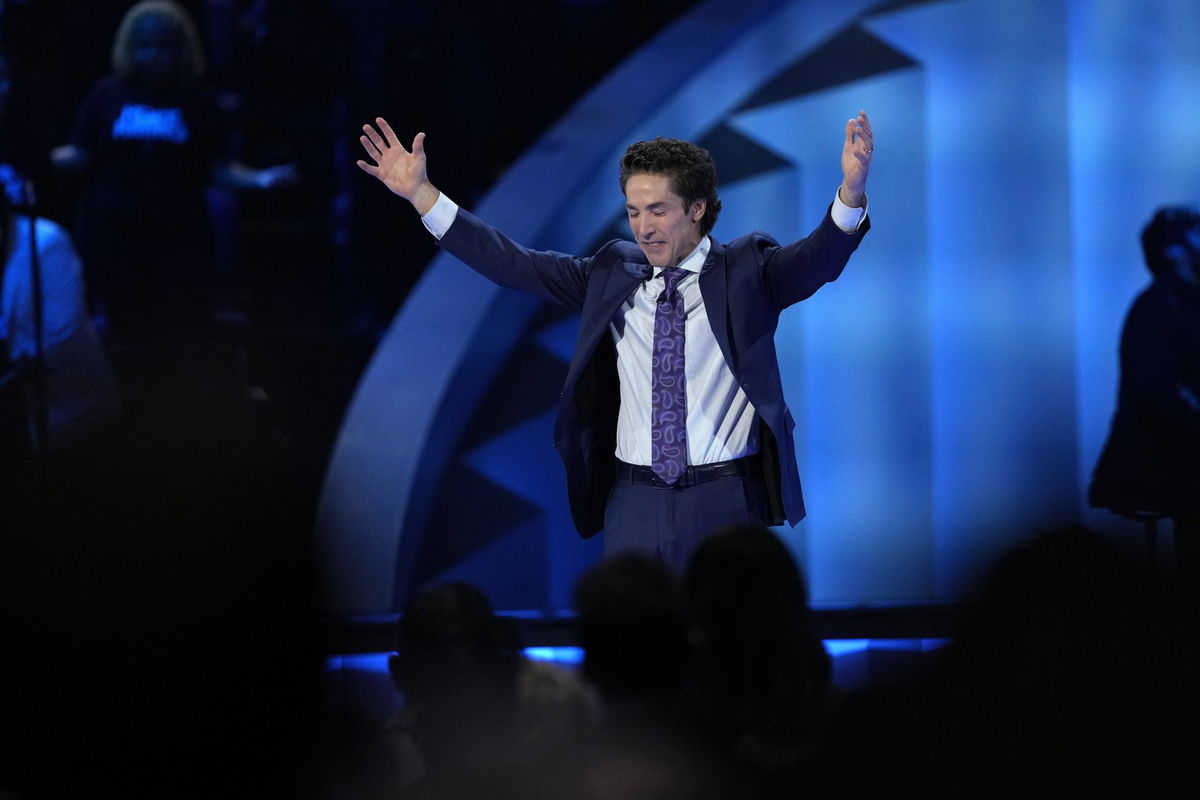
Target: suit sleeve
(793, 272)
(557, 278)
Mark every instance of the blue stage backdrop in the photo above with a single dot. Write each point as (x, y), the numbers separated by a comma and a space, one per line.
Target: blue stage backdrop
(952, 390)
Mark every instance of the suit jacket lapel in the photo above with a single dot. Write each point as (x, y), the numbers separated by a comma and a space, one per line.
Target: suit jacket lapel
(600, 307)
(714, 288)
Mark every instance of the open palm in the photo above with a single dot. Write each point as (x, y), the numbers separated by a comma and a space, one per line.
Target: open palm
(401, 171)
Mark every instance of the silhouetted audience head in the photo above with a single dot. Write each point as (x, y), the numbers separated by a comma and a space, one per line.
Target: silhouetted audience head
(450, 641)
(761, 677)
(456, 666)
(631, 627)
(1070, 618)
(743, 590)
(1071, 671)
(1172, 232)
(157, 45)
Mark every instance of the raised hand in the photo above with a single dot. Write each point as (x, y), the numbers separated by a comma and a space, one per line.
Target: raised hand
(856, 160)
(401, 171)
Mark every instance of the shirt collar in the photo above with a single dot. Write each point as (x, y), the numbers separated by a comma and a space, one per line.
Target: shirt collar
(695, 259)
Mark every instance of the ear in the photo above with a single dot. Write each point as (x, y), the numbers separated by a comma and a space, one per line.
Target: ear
(697, 210)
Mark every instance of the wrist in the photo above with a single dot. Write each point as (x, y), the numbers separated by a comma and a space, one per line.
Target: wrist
(424, 198)
(851, 197)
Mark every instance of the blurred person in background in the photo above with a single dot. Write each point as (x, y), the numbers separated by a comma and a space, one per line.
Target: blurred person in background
(56, 385)
(148, 141)
(1151, 462)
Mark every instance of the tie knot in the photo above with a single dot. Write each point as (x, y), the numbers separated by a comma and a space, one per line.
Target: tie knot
(673, 275)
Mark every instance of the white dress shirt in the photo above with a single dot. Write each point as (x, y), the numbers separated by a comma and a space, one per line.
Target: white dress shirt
(720, 419)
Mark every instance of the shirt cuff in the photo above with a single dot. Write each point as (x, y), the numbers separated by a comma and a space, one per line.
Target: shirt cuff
(847, 218)
(439, 218)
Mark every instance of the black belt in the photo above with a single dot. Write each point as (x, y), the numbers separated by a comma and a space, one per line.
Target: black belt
(700, 473)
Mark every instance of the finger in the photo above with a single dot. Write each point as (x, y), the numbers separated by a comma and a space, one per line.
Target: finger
(367, 168)
(851, 129)
(865, 131)
(864, 122)
(418, 145)
(392, 138)
(370, 147)
(375, 138)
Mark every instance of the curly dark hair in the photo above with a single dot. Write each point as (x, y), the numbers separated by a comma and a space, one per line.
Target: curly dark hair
(691, 169)
(1169, 227)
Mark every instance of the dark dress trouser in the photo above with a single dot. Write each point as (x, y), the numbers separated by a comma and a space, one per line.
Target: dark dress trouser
(670, 523)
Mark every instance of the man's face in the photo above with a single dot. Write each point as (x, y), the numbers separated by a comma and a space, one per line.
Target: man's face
(665, 230)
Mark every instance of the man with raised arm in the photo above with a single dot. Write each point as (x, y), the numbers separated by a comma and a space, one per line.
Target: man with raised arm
(672, 421)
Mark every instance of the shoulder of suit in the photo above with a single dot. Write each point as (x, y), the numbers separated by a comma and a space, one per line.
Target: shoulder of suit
(753, 242)
(623, 249)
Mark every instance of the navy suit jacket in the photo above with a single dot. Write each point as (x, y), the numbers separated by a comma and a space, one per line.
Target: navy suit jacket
(745, 285)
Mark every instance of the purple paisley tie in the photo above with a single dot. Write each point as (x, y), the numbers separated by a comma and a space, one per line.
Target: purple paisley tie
(668, 421)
